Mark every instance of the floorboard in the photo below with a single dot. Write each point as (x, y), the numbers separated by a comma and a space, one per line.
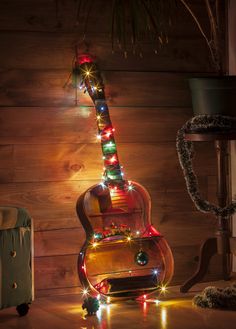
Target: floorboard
(174, 311)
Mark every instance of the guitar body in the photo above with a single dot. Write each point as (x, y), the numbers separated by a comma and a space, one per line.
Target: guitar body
(120, 264)
(123, 256)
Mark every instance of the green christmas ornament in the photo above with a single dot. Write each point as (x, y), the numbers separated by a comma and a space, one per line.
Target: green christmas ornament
(141, 258)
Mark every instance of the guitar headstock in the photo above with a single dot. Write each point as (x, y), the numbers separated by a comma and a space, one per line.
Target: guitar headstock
(89, 76)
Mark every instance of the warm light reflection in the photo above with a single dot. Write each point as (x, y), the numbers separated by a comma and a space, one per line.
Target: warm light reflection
(104, 313)
(99, 313)
(145, 308)
(163, 318)
(108, 310)
(83, 111)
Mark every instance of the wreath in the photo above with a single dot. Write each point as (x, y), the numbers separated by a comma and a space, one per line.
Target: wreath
(202, 123)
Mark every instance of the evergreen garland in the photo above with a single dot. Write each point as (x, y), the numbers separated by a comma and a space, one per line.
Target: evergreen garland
(201, 123)
(213, 297)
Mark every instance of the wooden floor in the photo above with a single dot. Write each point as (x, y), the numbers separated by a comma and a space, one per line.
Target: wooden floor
(175, 311)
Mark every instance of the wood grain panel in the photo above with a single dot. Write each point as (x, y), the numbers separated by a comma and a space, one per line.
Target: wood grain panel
(184, 227)
(59, 242)
(46, 88)
(58, 291)
(61, 271)
(32, 16)
(179, 55)
(178, 230)
(6, 163)
(55, 162)
(56, 272)
(52, 204)
(35, 125)
(186, 260)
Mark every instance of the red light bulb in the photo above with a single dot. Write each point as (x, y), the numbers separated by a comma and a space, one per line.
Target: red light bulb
(85, 59)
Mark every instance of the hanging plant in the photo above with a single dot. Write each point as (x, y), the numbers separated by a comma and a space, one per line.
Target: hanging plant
(138, 21)
(132, 22)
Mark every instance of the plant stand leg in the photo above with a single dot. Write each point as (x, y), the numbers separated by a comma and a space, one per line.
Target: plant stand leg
(224, 250)
(208, 249)
(223, 232)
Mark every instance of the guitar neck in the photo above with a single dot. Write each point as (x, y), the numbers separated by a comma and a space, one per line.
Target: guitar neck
(93, 83)
(112, 173)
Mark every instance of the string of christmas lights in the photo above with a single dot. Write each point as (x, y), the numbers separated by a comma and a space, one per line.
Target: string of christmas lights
(86, 76)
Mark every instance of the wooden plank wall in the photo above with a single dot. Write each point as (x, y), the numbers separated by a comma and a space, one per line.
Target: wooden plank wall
(48, 150)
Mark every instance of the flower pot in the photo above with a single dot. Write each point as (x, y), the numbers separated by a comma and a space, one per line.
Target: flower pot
(214, 95)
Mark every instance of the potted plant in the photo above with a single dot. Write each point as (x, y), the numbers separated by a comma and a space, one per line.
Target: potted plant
(141, 19)
(213, 95)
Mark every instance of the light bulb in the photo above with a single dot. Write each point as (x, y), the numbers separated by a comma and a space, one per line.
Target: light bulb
(130, 187)
(85, 291)
(163, 289)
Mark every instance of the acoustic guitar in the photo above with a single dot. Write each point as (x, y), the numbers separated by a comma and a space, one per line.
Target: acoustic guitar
(123, 256)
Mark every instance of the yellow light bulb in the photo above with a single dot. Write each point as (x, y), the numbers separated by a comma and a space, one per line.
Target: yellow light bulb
(85, 291)
(163, 289)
